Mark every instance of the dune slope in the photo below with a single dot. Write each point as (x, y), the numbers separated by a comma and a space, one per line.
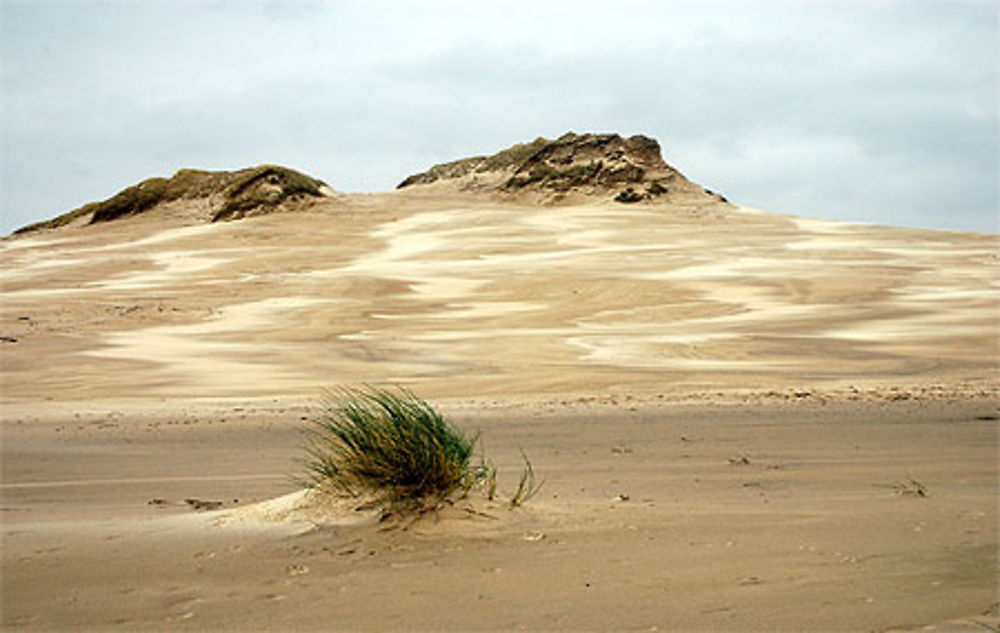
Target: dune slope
(744, 421)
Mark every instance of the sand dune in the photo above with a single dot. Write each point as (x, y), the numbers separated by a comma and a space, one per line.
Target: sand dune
(730, 409)
(650, 298)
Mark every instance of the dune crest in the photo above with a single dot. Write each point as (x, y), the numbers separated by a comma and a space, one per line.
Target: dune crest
(209, 195)
(626, 169)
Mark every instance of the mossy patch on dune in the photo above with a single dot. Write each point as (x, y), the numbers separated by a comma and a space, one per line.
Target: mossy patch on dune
(231, 194)
(264, 188)
(589, 164)
(506, 160)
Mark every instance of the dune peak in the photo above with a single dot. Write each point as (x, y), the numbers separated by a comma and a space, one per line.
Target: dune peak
(224, 195)
(628, 169)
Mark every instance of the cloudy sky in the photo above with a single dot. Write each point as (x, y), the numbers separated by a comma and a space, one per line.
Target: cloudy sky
(878, 111)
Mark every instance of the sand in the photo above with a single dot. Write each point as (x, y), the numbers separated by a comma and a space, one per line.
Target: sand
(647, 518)
(732, 412)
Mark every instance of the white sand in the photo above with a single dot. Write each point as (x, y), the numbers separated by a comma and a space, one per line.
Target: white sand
(188, 352)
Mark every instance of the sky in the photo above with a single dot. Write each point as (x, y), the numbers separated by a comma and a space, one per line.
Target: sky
(873, 111)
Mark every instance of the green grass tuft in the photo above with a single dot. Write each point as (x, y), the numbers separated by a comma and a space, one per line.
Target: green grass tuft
(526, 487)
(389, 444)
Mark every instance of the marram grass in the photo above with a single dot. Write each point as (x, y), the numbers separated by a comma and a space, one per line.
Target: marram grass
(389, 444)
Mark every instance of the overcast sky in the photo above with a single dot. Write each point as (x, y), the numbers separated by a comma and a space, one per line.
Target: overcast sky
(872, 111)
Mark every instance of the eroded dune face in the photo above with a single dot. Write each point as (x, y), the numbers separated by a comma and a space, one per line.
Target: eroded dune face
(457, 293)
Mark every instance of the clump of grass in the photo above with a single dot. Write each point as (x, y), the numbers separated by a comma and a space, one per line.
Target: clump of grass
(394, 448)
(391, 445)
(526, 487)
(133, 200)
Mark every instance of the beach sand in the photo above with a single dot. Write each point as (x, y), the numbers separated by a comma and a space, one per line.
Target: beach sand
(734, 414)
(753, 516)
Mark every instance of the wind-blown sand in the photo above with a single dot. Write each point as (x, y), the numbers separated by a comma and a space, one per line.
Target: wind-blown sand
(729, 409)
(648, 517)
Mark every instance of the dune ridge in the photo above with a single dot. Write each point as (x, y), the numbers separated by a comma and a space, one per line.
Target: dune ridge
(212, 195)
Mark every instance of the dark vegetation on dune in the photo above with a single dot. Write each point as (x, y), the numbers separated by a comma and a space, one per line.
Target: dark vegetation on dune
(629, 169)
(231, 195)
(624, 169)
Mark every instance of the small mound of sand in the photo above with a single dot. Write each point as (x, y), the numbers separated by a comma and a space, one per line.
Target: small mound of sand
(301, 511)
(309, 509)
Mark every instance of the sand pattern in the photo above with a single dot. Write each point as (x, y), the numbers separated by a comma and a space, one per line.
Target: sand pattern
(744, 421)
(508, 295)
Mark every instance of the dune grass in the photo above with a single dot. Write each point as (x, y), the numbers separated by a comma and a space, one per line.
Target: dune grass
(396, 448)
(527, 486)
(234, 194)
(389, 444)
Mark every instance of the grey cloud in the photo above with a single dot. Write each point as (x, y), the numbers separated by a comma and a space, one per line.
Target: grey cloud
(879, 111)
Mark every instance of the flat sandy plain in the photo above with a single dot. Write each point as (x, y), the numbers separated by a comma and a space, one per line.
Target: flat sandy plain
(731, 411)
